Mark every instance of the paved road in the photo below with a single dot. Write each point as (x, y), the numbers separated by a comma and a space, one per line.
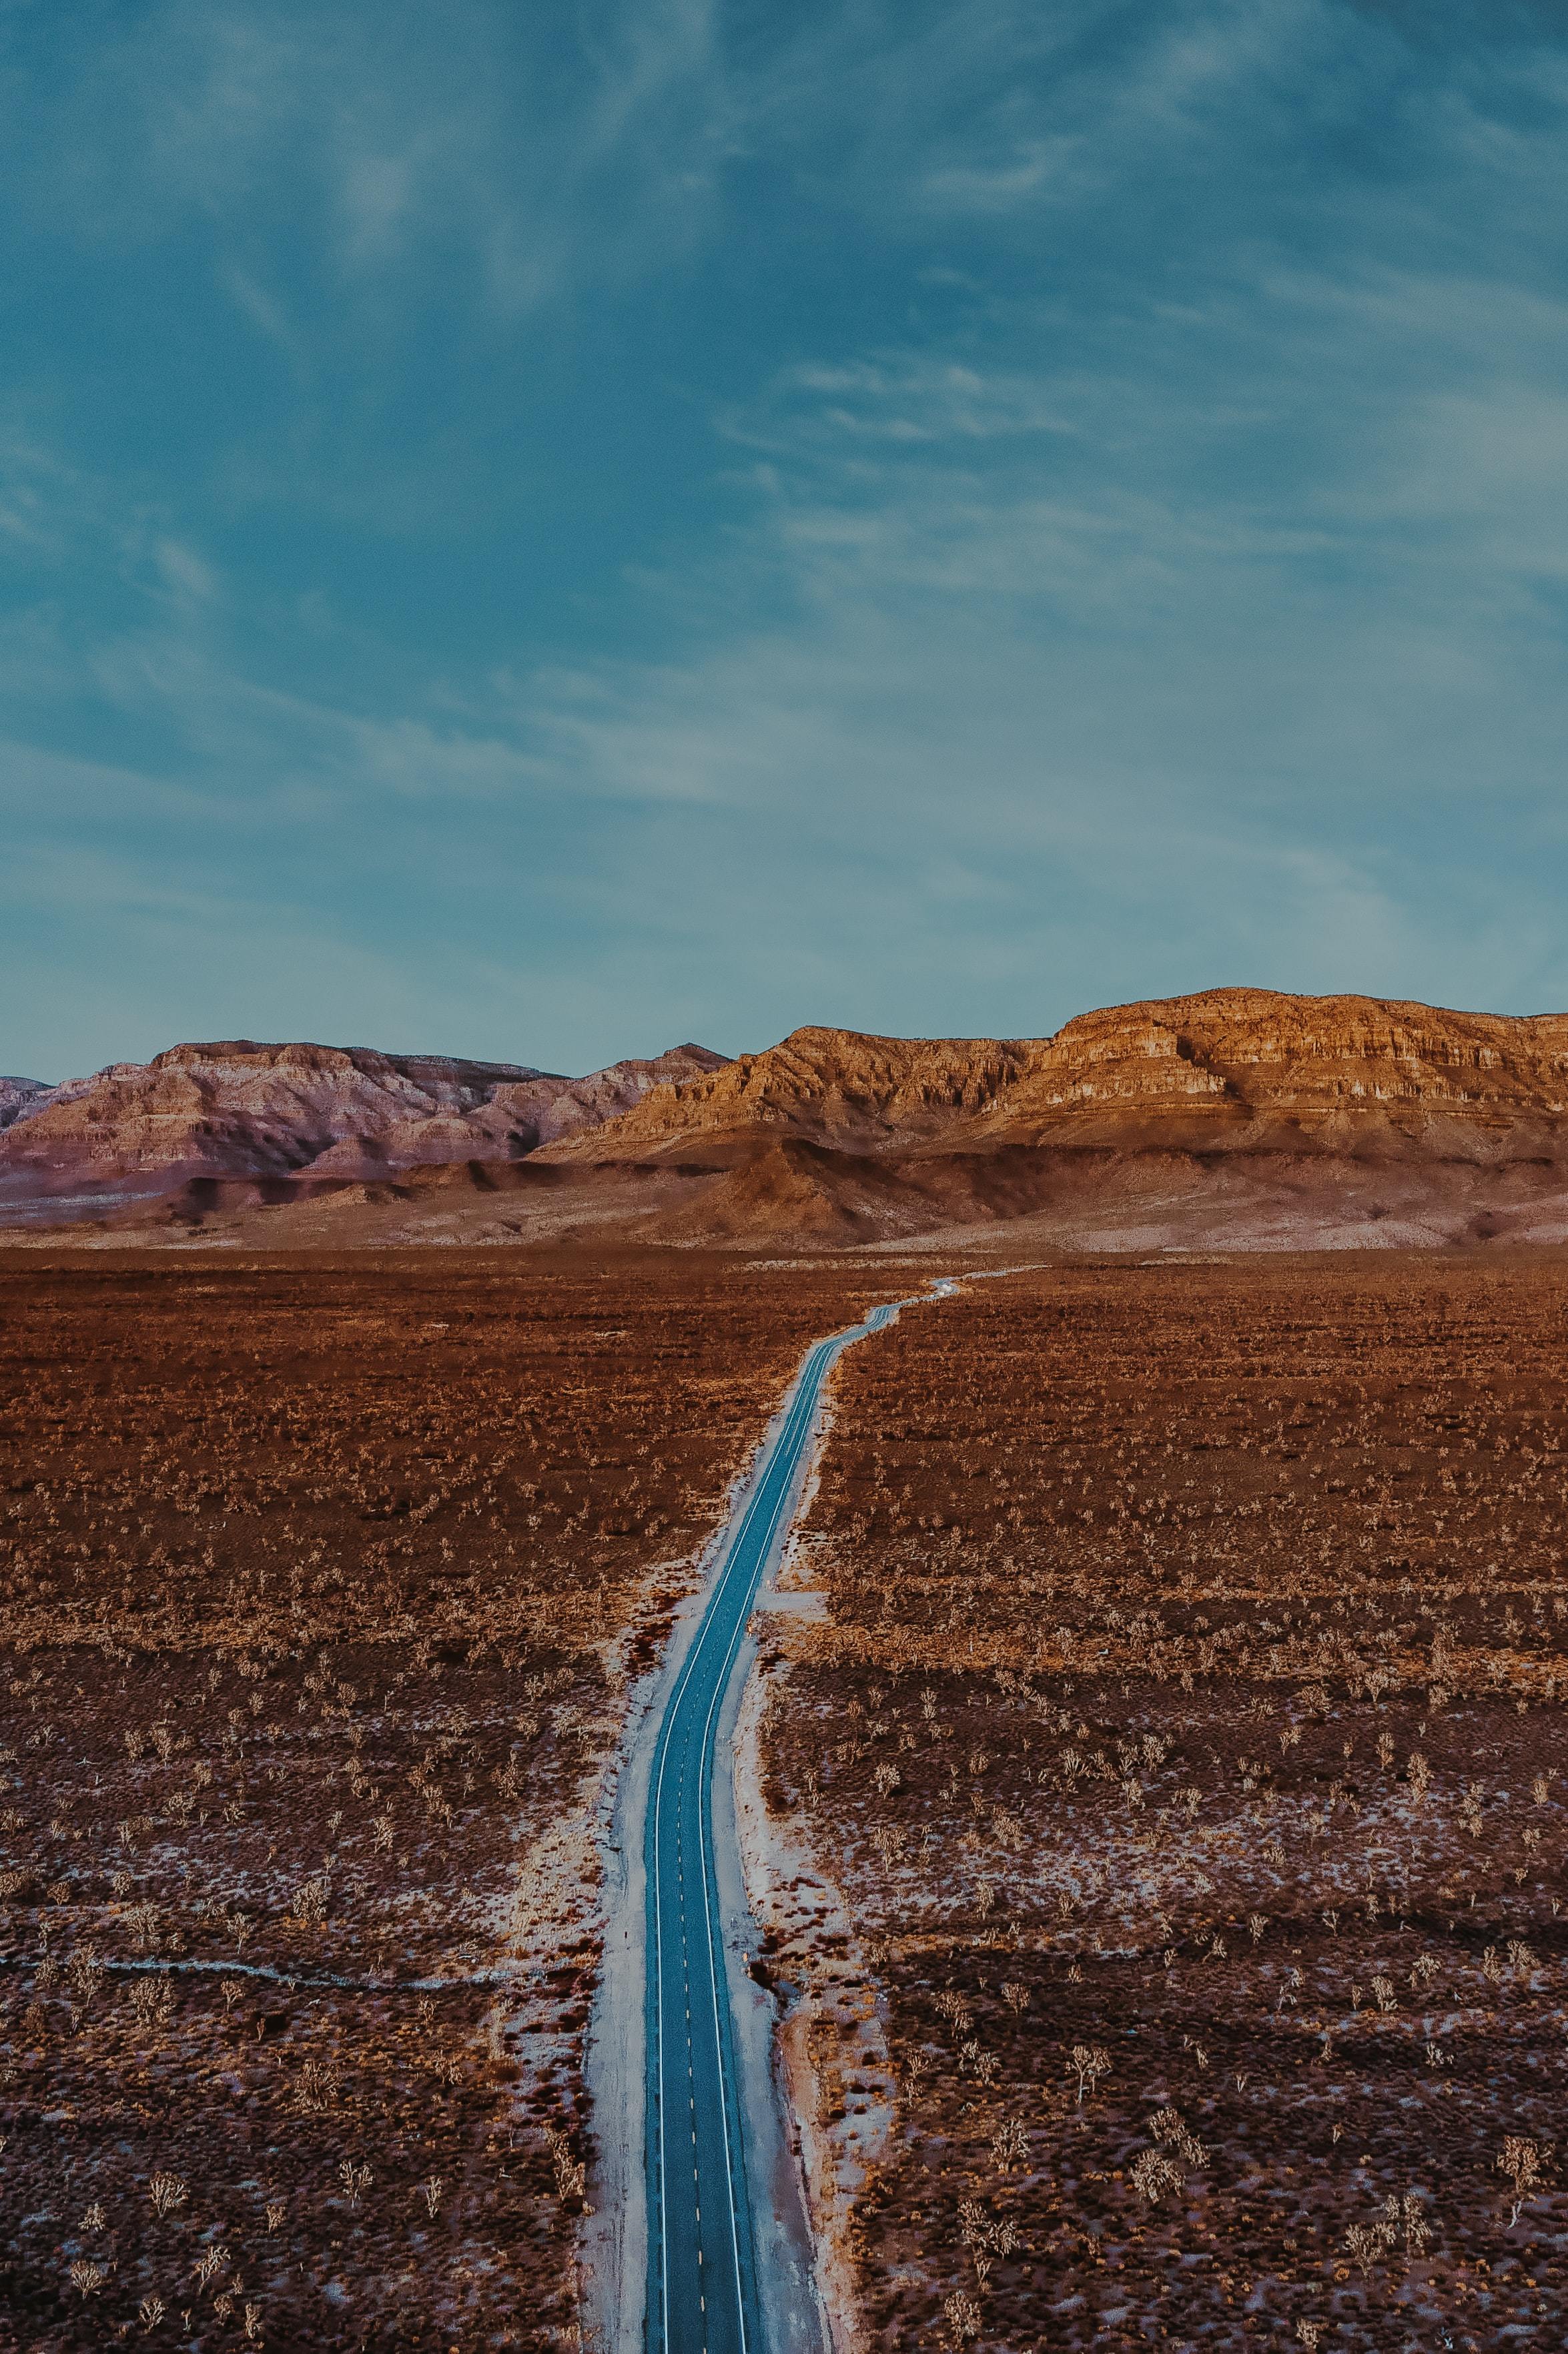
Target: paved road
(703, 2289)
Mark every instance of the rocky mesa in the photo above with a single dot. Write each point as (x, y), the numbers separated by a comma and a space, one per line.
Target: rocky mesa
(241, 1109)
(17, 1095)
(1228, 1068)
(1245, 1067)
(1231, 1119)
(1234, 1117)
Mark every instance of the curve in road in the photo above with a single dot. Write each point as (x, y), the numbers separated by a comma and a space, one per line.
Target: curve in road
(703, 2286)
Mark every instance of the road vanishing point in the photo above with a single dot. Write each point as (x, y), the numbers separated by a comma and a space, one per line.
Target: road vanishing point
(704, 2292)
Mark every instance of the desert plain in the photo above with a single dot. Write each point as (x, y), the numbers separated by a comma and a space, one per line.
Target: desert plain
(1177, 1783)
(326, 1588)
(1159, 1730)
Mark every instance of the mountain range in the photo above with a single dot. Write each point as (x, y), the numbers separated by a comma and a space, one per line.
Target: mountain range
(1235, 1117)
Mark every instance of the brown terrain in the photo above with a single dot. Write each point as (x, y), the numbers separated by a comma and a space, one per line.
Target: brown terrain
(15, 1095)
(1153, 1789)
(327, 1589)
(1164, 1739)
(256, 1121)
(1161, 1827)
(1233, 1119)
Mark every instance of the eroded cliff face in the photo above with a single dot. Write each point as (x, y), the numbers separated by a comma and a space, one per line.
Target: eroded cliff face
(15, 1096)
(518, 1116)
(1230, 1066)
(1234, 1119)
(248, 1110)
(242, 1107)
(1244, 1055)
(840, 1088)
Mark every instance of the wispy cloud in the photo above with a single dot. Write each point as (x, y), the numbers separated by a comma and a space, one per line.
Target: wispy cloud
(502, 141)
(265, 312)
(922, 516)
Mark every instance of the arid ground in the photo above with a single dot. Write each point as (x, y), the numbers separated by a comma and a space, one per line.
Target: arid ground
(324, 1588)
(1163, 1879)
(1173, 1804)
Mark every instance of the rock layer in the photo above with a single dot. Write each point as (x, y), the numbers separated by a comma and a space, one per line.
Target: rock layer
(518, 1117)
(838, 1087)
(1250, 1059)
(17, 1095)
(1228, 1068)
(1234, 1119)
(239, 1108)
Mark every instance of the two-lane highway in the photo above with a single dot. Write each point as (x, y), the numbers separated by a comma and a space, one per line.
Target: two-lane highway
(703, 2289)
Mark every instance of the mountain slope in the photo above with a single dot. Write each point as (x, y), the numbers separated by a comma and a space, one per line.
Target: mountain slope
(240, 1108)
(16, 1095)
(1229, 1118)
(838, 1087)
(1226, 1070)
(1254, 1062)
(1234, 1119)
(517, 1117)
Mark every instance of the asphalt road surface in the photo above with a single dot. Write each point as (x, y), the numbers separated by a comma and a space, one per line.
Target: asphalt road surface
(704, 2293)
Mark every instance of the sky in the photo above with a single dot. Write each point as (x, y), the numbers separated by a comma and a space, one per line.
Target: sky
(543, 531)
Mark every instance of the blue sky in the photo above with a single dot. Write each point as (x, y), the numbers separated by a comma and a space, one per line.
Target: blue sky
(545, 531)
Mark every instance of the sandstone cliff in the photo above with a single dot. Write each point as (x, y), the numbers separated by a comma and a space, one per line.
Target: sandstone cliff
(17, 1095)
(834, 1086)
(517, 1117)
(1255, 1062)
(1229, 1068)
(239, 1108)
(1234, 1119)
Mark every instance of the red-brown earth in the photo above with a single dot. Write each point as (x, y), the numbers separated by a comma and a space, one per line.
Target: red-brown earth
(1168, 1712)
(326, 1589)
(1233, 1120)
(1170, 1791)
(136, 1132)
